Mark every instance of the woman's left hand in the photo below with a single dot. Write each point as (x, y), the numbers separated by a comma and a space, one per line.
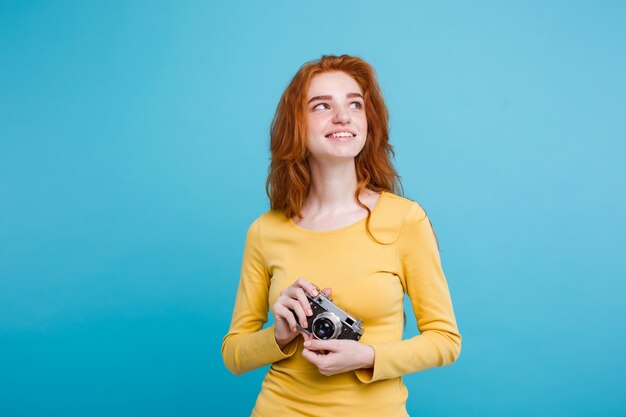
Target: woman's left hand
(337, 356)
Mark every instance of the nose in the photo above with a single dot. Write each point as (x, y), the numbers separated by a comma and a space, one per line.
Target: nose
(341, 116)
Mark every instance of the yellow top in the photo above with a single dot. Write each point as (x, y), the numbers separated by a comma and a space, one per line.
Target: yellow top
(369, 280)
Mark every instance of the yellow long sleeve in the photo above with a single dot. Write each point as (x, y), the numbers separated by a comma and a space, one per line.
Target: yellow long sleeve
(247, 345)
(423, 280)
(369, 278)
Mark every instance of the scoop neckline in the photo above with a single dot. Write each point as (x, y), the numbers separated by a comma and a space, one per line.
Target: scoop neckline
(341, 229)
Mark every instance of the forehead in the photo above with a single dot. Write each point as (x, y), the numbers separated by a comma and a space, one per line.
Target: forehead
(336, 82)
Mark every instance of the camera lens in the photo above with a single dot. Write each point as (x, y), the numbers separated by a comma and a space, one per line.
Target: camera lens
(326, 326)
(323, 329)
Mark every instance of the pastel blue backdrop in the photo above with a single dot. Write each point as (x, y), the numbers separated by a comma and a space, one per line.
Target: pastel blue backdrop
(133, 155)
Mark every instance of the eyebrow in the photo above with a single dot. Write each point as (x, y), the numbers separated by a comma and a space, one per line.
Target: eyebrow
(349, 95)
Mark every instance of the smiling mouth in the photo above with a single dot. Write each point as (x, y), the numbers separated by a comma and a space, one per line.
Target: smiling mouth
(340, 135)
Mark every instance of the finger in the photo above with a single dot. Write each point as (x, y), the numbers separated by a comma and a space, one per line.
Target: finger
(295, 299)
(327, 291)
(306, 335)
(326, 345)
(296, 309)
(313, 357)
(297, 312)
(307, 286)
(304, 302)
(282, 312)
(309, 356)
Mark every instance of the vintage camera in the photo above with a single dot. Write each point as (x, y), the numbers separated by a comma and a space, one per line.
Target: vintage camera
(330, 322)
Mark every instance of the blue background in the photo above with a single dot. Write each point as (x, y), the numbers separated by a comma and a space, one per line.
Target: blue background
(133, 155)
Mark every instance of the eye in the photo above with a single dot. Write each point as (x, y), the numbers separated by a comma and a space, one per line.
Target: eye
(316, 107)
(356, 105)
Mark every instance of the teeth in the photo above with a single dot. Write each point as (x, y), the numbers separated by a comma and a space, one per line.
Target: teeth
(341, 135)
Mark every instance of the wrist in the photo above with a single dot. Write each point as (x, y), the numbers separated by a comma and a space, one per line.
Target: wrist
(367, 358)
(282, 342)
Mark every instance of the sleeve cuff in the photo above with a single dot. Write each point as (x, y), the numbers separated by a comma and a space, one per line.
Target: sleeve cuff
(366, 375)
(277, 352)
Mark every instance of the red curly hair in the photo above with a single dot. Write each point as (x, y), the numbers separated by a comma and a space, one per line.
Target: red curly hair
(289, 177)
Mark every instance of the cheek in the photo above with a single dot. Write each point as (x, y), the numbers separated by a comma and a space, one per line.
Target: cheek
(363, 122)
(362, 145)
(314, 126)
(363, 127)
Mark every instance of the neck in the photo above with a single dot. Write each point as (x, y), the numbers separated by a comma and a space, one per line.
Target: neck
(332, 186)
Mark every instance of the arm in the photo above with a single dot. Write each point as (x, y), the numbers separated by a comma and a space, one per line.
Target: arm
(439, 342)
(247, 345)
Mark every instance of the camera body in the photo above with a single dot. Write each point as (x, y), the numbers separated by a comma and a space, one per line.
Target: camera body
(328, 321)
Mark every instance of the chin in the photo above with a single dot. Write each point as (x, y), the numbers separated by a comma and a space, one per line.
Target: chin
(340, 156)
(347, 151)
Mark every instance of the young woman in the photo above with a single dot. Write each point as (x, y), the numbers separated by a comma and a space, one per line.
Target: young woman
(336, 222)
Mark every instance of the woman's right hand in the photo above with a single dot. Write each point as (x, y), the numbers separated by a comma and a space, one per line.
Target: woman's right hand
(293, 300)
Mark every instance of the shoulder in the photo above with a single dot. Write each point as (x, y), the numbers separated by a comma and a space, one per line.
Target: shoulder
(399, 206)
(268, 222)
(392, 214)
